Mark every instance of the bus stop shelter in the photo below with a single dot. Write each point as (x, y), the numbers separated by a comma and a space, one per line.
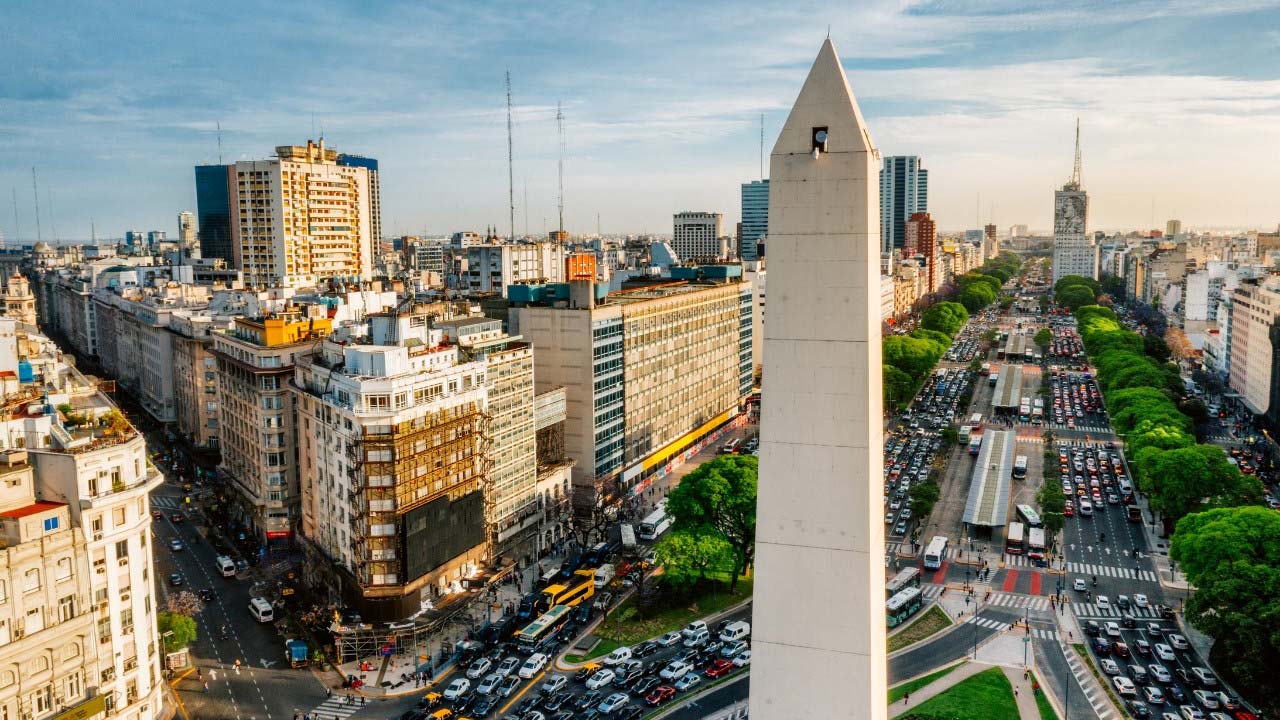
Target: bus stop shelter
(988, 503)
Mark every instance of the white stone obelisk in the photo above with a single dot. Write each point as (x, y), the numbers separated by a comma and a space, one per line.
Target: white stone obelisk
(818, 634)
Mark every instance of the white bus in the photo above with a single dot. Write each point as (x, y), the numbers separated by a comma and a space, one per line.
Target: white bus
(935, 553)
(908, 577)
(655, 524)
(966, 432)
(1035, 543)
(1020, 467)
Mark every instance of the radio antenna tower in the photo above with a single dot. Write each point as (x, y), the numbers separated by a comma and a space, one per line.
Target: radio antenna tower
(511, 176)
(1075, 171)
(17, 220)
(219, 124)
(762, 144)
(35, 192)
(560, 132)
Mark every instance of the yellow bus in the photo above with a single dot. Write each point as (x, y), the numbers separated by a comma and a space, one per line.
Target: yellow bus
(578, 588)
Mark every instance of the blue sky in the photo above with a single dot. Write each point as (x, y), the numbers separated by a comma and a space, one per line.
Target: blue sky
(115, 102)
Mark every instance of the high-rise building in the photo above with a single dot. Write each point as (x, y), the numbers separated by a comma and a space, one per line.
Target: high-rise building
(1255, 308)
(904, 191)
(820, 494)
(755, 218)
(1172, 227)
(1075, 252)
(491, 268)
(990, 243)
(213, 210)
(187, 229)
(683, 345)
(301, 218)
(922, 239)
(697, 236)
(375, 190)
(1018, 231)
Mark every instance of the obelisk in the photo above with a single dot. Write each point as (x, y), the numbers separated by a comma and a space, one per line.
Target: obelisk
(819, 623)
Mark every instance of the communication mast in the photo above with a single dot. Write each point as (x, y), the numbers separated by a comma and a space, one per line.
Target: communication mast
(1075, 171)
(511, 176)
(560, 132)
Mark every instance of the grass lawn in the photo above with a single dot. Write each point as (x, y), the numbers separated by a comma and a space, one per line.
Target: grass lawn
(932, 621)
(1046, 709)
(985, 696)
(624, 627)
(897, 691)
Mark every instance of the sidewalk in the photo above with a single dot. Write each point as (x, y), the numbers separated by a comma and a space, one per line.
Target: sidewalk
(1026, 700)
(1023, 693)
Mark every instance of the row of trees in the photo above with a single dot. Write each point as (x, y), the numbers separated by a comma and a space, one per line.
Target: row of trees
(1076, 291)
(908, 359)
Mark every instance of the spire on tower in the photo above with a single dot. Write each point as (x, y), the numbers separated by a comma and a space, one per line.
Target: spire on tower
(1075, 171)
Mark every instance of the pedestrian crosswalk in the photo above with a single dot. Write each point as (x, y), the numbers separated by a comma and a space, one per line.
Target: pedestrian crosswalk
(1082, 427)
(337, 707)
(164, 502)
(1092, 691)
(932, 591)
(1018, 561)
(1111, 571)
(1044, 634)
(1092, 610)
(1011, 600)
(985, 622)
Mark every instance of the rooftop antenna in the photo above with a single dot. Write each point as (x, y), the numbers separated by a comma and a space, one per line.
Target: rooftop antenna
(511, 177)
(1075, 171)
(762, 133)
(526, 207)
(17, 223)
(219, 124)
(560, 131)
(35, 191)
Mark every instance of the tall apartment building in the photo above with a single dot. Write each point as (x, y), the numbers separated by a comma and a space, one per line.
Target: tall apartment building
(1255, 309)
(904, 191)
(77, 613)
(755, 219)
(1075, 250)
(697, 236)
(921, 238)
(393, 445)
(1172, 228)
(301, 217)
(195, 377)
(375, 191)
(257, 431)
(990, 243)
(491, 268)
(649, 372)
(187, 230)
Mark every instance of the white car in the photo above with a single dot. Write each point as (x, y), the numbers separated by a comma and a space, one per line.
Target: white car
(675, 670)
(554, 683)
(489, 683)
(1110, 667)
(669, 639)
(1141, 600)
(743, 659)
(614, 702)
(1124, 686)
(479, 668)
(508, 666)
(1079, 585)
(1160, 673)
(1103, 602)
(600, 678)
(533, 665)
(688, 682)
(1164, 652)
(1178, 642)
(618, 656)
(457, 688)
(1113, 630)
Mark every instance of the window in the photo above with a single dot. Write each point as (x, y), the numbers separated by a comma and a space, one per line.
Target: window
(96, 524)
(50, 524)
(66, 608)
(104, 634)
(118, 516)
(31, 581)
(4, 591)
(126, 621)
(122, 550)
(43, 699)
(63, 569)
(75, 687)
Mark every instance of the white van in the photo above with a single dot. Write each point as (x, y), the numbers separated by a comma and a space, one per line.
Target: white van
(1086, 508)
(226, 566)
(735, 631)
(693, 628)
(604, 575)
(261, 610)
(697, 639)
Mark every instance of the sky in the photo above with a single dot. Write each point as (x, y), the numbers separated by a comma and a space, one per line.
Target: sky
(114, 103)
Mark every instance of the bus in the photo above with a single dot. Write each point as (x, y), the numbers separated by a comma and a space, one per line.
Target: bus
(1020, 467)
(909, 577)
(935, 553)
(655, 524)
(976, 421)
(1015, 539)
(541, 632)
(975, 444)
(903, 605)
(628, 533)
(966, 433)
(579, 587)
(1029, 516)
(1035, 543)
(730, 447)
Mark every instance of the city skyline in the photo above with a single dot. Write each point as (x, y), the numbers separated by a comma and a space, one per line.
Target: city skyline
(988, 96)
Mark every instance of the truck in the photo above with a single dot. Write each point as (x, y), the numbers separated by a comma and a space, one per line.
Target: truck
(1134, 513)
(628, 536)
(296, 651)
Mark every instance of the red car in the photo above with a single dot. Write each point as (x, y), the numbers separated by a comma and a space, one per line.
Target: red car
(719, 668)
(156, 515)
(177, 517)
(660, 694)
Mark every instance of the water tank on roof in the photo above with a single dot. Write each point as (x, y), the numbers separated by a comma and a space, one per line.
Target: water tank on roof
(25, 373)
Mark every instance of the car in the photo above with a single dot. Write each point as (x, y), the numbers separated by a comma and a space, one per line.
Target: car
(1164, 652)
(1178, 642)
(430, 700)
(1176, 694)
(644, 649)
(888, 518)
(175, 579)
(588, 700)
(156, 515)
(554, 684)
(743, 659)
(586, 671)
(207, 594)
(614, 702)
(1079, 584)
(900, 528)
(1190, 712)
(1226, 701)
(1128, 620)
(1109, 666)
(1154, 629)
(644, 685)
(507, 666)
(1120, 649)
(1102, 646)
(732, 649)
(660, 694)
(534, 665)
(718, 668)
(1139, 709)
(668, 640)
(1166, 612)
(457, 688)
(1142, 647)
(479, 668)
(1103, 602)
(1139, 674)
(1113, 630)
(602, 677)
(906, 514)
(688, 682)
(1205, 699)
(464, 702)
(618, 656)
(1153, 695)
(489, 683)
(532, 715)
(1141, 600)
(1160, 673)
(508, 686)
(483, 706)
(1122, 602)
(552, 702)
(177, 517)
(1204, 677)
(674, 670)
(176, 545)
(1124, 686)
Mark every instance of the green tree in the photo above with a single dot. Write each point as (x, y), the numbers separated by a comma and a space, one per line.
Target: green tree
(1075, 296)
(976, 296)
(949, 436)
(1189, 479)
(899, 388)
(1157, 348)
(688, 556)
(922, 497)
(1043, 337)
(182, 627)
(1232, 557)
(1069, 280)
(719, 498)
(1052, 507)
(945, 317)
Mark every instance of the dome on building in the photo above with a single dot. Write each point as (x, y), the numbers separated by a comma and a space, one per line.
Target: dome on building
(43, 247)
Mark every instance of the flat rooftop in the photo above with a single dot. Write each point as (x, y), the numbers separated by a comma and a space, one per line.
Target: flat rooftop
(988, 503)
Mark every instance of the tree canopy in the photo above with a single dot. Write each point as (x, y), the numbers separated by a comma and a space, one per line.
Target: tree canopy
(945, 317)
(976, 296)
(182, 627)
(1075, 296)
(1185, 480)
(688, 557)
(1069, 280)
(719, 499)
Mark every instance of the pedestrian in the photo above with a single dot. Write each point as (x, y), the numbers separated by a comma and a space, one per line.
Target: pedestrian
(328, 693)
(206, 687)
(1015, 693)
(906, 697)
(1025, 673)
(361, 701)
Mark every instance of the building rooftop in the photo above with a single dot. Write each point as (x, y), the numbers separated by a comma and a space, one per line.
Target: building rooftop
(32, 509)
